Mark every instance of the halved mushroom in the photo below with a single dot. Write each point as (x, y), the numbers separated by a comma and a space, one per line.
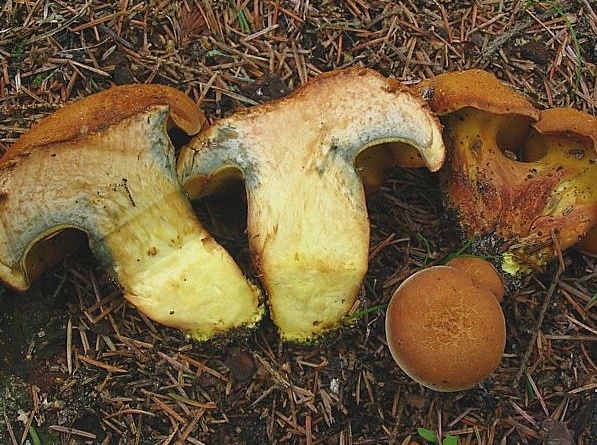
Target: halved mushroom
(105, 165)
(307, 220)
(516, 172)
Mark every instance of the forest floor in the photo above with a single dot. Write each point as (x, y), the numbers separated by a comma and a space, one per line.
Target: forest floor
(80, 365)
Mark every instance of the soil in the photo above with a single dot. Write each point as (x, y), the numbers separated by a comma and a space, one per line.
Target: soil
(80, 365)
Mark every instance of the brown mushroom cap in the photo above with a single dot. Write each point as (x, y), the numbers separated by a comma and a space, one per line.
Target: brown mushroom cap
(475, 88)
(480, 90)
(443, 330)
(482, 272)
(90, 115)
(569, 121)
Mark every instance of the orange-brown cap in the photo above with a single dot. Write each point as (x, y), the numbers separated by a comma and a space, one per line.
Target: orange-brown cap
(568, 121)
(482, 272)
(104, 109)
(452, 91)
(445, 331)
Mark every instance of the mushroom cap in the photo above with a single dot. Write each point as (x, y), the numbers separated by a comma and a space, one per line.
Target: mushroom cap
(568, 121)
(107, 108)
(445, 331)
(474, 88)
(482, 272)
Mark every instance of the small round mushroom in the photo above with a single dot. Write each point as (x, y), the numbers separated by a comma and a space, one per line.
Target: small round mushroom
(445, 331)
(482, 272)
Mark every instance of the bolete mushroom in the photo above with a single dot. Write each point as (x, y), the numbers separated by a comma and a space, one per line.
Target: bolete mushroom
(444, 330)
(104, 165)
(307, 220)
(571, 133)
(515, 173)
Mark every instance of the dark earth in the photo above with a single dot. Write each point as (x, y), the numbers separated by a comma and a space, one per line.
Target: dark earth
(80, 365)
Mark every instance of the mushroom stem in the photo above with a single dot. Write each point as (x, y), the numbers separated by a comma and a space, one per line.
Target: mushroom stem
(300, 227)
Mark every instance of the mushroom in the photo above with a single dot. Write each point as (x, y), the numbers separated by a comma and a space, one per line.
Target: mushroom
(588, 244)
(573, 134)
(104, 165)
(514, 173)
(444, 330)
(482, 272)
(307, 220)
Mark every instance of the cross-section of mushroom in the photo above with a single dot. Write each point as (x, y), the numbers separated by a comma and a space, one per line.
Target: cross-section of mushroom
(307, 219)
(527, 176)
(105, 165)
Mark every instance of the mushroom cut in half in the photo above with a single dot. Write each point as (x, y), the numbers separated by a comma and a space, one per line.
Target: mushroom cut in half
(104, 165)
(307, 220)
(524, 177)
